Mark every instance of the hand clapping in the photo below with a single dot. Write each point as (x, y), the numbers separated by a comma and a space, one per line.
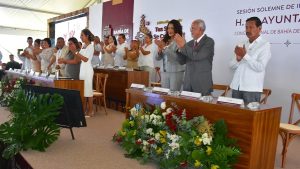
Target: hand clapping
(161, 44)
(179, 40)
(240, 52)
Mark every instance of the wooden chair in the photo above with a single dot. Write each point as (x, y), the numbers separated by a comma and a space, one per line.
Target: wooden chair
(289, 131)
(100, 85)
(224, 88)
(156, 83)
(266, 93)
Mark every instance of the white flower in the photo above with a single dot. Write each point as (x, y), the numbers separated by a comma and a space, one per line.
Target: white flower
(157, 136)
(173, 137)
(152, 117)
(145, 143)
(167, 154)
(150, 131)
(205, 139)
(205, 135)
(163, 105)
(169, 110)
(174, 145)
(147, 118)
(133, 112)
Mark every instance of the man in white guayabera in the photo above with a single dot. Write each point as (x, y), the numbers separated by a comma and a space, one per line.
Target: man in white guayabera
(249, 63)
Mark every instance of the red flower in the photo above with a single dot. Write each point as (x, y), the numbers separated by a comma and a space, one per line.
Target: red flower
(138, 142)
(183, 164)
(151, 141)
(170, 122)
(117, 138)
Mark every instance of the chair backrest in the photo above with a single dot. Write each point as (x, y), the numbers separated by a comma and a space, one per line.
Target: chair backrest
(295, 103)
(224, 88)
(101, 80)
(157, 82)
(266, 93)
(157, 73)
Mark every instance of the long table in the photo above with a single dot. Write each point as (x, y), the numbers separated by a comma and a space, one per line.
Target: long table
(120, 80)
(51, 82)
(255, 130)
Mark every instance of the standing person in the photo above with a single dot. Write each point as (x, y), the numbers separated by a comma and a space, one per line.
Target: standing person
(198, 55)
(46, 55)
(98, 48)
(61, 51)
(249, 63)
(72, 63)
(108, 51)
(36, 64)
(132, 55)
(27, 65)
(172, 71)
(86, 70)
(120, 52)
(147, 54)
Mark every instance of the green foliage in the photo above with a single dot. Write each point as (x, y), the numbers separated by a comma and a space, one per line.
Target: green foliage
(166, 137)
(32, 124)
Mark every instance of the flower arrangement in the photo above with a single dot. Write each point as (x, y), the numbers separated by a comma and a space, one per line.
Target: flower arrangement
(173, 140)
(9, 88)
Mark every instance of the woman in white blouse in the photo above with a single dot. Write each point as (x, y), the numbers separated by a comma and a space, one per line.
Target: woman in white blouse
(86, 70)
(108, 51)
(147, 55)
(98, 48)
(46, 55)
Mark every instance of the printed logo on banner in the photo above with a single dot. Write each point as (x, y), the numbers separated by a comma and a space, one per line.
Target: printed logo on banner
(143, 29)
(281, 19)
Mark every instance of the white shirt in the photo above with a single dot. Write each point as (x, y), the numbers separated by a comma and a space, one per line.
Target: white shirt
(198, 40)
(120, 52)
(61, 53)
(45, 57)
(250, 71)
(27, 61)
(147, 60)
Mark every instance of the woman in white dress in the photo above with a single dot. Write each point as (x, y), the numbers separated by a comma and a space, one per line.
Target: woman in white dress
(98, 48)
(108, 51)
(86, 70)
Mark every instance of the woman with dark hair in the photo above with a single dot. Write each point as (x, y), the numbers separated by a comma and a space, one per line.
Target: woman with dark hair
(172, 71)
(147, 54)
(36, 64)
(46, 55)
(132, 55)
(97, 45)
(72, 63)
(108, 51)
(86, 70)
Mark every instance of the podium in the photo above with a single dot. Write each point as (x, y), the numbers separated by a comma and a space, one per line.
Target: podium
(120, 80)
(256, 131)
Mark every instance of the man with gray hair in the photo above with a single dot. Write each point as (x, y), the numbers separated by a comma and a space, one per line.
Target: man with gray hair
(197, 54)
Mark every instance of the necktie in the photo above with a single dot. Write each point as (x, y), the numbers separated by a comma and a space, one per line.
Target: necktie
(195, 44)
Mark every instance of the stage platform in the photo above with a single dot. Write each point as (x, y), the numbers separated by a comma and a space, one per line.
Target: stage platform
(93, 148)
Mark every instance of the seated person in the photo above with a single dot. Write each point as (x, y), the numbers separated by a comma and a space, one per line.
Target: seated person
(132, 55)
(12, 63)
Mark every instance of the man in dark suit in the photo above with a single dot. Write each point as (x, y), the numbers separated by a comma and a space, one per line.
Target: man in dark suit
(197, 54)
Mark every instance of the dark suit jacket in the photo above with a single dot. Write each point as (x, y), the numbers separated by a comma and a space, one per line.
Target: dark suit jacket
(198, 60)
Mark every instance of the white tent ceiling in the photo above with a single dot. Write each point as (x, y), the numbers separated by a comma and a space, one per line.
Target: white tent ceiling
(33, 14)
